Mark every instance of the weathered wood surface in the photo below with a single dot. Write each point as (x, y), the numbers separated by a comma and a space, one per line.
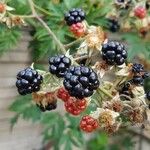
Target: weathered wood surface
(26, 135)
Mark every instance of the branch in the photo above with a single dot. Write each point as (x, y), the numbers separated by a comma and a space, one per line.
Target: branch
(51, 34)
(74, 42)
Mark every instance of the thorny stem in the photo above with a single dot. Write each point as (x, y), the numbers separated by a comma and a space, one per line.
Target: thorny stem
(34, 13)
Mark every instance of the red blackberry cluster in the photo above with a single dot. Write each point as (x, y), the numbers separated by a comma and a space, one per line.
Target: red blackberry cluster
(48, 107)
(28, 81)
(59, 65)
(113, 25)
(75, 106)
(140, 12)
(74, 16)
(114, 53)
(139, 74)
(80, 81)
(63, 94)
(77, 29)
(88, 124)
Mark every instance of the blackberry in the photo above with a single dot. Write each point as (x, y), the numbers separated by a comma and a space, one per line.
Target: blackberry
(146, 75)
(148, 95)
(59, 65)
(28, 81)
(74, 16)
(81, 81)
(126, 90)
(137, 68)
(114, 53)
(48, 107)
(147, 5)
(113, 25)
(138, 80)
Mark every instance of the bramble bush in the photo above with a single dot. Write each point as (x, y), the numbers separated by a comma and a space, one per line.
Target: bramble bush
(77, 70)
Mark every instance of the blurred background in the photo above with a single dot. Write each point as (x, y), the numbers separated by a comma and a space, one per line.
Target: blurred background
(22, 125)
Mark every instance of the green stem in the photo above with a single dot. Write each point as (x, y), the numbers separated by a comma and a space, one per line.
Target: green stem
(105, 92)
(42, 10)
(73, 43)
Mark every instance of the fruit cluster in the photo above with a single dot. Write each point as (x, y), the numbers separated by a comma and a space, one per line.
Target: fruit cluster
(88, 124)
(139, 74)
(125, 12)
(81, 81)
(74, 18)
(113, 25)
(75, 84)
(114, 53)
(28, 81)
(59, 65)
(72, 105)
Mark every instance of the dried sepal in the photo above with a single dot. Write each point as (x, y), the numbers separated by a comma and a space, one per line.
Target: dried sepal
(101, 68)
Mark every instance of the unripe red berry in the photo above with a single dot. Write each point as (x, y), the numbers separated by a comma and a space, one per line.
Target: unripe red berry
(78, 29)
(63, 94)
(75, 106)
(88, 124)
(140, 12)
(2, 7)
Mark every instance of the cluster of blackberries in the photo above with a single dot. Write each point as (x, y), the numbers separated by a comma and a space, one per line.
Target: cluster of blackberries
(81, 81)
(126, 90)
(139, 74)
(74, 16)
(114, 53)
(59, 65)
(113, 25)
(28, 81)
(48, 107)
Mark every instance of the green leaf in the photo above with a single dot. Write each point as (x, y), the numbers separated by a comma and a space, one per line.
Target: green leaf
(20, 103)
(32, 112)
(8, 38)
(68, 144)
(13, 121)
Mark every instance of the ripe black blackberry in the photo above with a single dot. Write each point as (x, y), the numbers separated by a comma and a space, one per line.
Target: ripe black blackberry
(59, 65)
(81, 81)
(145, 75)
(74, 16)
(138, 80)
(126, 90)
(137, 68)
(147, 4)
(113, 25)
(28, 81)
(48, 107)
(114, 53)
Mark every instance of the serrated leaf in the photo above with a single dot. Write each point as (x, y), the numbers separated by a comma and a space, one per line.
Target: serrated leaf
(32, 112)
(20, 103)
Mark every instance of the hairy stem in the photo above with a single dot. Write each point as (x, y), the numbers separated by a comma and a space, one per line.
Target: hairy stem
(42, 10)
(51, 34)
(73, 43)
